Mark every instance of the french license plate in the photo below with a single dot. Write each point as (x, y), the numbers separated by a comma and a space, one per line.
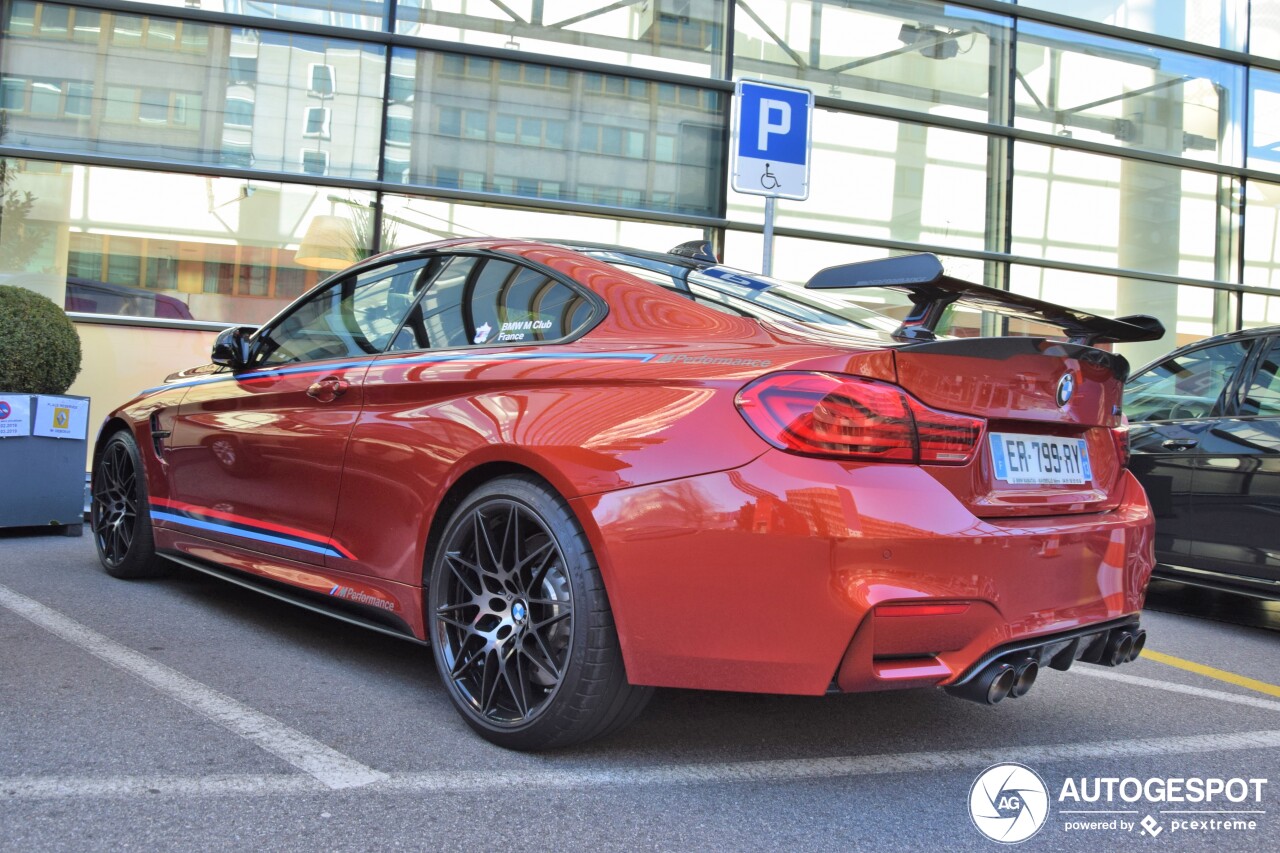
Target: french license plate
(1040, 459)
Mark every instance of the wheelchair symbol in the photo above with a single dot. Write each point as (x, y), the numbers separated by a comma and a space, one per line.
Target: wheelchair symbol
(769, 180)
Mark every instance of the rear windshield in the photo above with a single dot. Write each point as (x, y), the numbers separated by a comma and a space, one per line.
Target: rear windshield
(767, 298)
(750, 295)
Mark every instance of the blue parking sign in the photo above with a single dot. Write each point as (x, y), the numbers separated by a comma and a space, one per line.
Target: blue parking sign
(771, 133)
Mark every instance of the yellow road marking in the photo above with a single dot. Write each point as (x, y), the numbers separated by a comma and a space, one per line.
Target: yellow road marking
(1210, 672)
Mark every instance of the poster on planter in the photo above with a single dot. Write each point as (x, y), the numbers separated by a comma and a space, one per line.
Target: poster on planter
(15, 415)
(61, 417)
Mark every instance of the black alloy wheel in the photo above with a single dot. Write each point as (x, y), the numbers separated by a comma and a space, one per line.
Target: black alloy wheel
(120, 515)
(508, 612)
(522, 633)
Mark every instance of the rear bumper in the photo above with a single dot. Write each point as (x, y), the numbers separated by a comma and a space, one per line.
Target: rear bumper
(782, 576)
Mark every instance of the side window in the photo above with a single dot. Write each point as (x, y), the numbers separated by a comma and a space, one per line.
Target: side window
(352, 317)
(522, 305)
(1263, 396)
(444, 280)
(485, 302)
(1185, 387)
(438, 315)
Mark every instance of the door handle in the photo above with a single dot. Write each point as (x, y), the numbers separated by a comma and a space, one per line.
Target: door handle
(1179, 443)
(328, 389)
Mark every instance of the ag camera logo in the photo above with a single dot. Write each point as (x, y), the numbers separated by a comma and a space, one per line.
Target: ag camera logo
(1008, 803)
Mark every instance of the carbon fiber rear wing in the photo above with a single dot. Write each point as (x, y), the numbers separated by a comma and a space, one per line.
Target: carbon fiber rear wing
(931, 292)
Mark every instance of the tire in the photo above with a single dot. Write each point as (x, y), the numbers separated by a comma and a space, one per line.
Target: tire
(521, 629)
(121, 515)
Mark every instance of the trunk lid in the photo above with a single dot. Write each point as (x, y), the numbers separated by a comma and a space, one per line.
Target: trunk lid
(1052, 412)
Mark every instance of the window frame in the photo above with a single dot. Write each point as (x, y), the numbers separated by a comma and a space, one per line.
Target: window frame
(330, 72)
(304, 153)
(324, 129)
(396, 88)
(242, 70)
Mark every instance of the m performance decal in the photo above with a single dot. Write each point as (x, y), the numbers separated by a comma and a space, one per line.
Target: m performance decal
(230, 524)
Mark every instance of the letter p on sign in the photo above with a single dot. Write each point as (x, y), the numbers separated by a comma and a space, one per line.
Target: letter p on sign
(768, 110)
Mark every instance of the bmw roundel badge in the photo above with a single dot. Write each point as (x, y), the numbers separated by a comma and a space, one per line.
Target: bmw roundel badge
(1066, 387)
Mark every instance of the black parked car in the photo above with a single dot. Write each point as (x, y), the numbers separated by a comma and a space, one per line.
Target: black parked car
(1205, 438)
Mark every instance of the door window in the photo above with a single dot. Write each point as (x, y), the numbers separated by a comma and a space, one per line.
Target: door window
(486, 302)
(1185, 387)
(1263, 397)
(355, 316)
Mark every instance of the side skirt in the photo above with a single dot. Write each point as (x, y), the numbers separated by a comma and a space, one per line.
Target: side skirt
(351, 613)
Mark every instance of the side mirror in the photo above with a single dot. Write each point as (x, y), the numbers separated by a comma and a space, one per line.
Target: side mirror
(231, 348)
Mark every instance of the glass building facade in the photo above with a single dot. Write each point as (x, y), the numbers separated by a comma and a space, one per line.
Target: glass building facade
(197, 163)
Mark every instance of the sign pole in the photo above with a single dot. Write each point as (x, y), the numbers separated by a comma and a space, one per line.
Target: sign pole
(766, 266)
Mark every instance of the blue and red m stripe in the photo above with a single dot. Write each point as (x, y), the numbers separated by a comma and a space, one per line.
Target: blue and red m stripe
(230, 524)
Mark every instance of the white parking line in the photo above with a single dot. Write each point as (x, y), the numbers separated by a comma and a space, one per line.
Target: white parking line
(1174, 687)
(329, 769)
(328, 766)
(782, 770)
(55, 787)
(791, 770)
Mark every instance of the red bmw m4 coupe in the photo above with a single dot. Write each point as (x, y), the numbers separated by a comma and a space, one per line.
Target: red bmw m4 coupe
(580, 472)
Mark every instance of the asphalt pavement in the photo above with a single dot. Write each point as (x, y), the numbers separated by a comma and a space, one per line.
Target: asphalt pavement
(189, 714)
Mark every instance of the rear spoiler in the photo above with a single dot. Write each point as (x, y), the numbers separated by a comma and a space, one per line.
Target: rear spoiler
(931, 292)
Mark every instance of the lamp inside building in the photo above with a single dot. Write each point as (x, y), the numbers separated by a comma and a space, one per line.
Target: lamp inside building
(930, 42)
(328, 244)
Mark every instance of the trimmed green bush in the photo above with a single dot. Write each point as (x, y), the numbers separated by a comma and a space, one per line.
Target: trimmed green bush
(39, 347)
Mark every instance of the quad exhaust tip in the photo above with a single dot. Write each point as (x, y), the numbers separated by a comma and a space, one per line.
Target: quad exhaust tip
(1002, 682)
(990, 686)
(1024, 677)
(1123, 646)
(1119, 647)
(1013, 676)
(1139, 643)
(999, 680)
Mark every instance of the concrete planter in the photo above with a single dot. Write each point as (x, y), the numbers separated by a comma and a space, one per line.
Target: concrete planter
(42, 475)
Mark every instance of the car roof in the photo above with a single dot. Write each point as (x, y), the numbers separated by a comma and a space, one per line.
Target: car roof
(498, 243)
(1225, 337)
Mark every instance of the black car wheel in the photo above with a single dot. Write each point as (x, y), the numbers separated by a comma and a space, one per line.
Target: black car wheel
(522, 632)
(121, 518)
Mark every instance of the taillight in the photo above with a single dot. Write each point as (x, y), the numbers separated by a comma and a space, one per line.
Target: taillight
(824, 414)
(1120, 435)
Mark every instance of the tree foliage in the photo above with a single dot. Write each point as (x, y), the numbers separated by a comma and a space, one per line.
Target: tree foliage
(20, 238)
